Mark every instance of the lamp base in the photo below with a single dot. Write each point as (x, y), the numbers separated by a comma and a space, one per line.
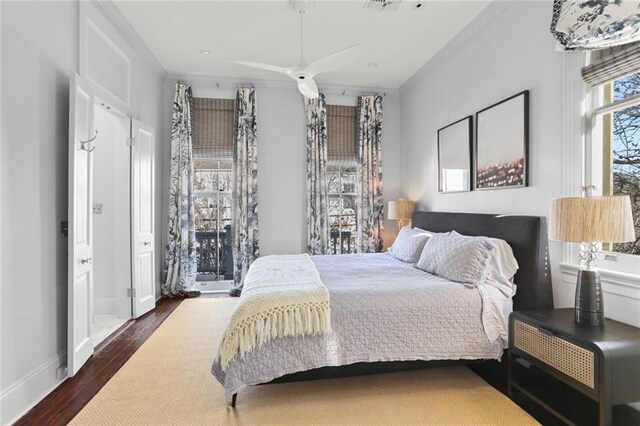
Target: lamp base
(589, 301)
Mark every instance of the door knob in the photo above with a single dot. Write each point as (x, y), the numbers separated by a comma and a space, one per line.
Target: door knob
(147, 243)
(88, 260)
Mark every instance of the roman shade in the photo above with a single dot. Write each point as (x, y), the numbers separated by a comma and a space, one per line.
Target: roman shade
(341, 133)
(611, 63)
(213, 128)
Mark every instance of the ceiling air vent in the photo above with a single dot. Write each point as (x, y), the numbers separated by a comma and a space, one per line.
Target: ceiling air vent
(382, 4)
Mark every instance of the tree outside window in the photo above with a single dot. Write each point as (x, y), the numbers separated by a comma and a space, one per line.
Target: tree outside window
(621, 159)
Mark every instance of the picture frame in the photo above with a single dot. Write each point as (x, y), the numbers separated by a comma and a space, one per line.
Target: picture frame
(455, 156)
(502, 144)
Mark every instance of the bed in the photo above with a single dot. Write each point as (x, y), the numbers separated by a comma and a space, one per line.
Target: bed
(388, 315)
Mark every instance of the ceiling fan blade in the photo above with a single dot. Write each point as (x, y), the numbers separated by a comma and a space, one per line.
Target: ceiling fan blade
(259, 65)
(308, 88)
(333, 61)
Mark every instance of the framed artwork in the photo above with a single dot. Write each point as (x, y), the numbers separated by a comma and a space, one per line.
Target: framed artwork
(502, 143)
(454, 156)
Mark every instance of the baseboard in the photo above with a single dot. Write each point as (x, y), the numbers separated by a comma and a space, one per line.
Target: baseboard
(104, 306)
(20, 397)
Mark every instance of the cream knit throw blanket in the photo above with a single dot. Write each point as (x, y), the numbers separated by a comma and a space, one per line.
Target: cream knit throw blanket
(282, 296)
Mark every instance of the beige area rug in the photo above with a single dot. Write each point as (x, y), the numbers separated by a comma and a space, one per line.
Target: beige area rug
(168, 381)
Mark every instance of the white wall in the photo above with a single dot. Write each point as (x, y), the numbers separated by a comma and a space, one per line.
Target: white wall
(282, 156)
(39, 49)
(506, 50)
(39, 52)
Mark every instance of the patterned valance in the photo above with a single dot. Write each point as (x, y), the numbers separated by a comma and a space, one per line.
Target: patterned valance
(341, 133)
(595, 24)
(612, 63)
(213, 128)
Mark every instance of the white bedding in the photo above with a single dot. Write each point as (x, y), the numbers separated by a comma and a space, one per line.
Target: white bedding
(383, 309)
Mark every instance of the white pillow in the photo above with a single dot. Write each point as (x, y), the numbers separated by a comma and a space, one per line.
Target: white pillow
(458, 258)
(503, 267)
(409, 244)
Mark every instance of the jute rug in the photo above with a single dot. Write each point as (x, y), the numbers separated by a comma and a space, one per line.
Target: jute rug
(168, 381)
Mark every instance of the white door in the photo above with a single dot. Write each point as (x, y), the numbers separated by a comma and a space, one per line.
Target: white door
(142, 202)
(80, 256)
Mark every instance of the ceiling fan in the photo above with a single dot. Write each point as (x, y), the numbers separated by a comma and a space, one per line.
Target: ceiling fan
(303, 74)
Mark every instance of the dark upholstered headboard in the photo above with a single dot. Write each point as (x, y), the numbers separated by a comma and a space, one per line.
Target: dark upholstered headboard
(527, 236)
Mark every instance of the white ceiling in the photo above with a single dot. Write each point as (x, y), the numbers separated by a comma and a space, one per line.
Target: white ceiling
(400, 41)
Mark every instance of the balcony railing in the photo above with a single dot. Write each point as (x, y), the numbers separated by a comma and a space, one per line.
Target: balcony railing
(214, 255)
(340, 242)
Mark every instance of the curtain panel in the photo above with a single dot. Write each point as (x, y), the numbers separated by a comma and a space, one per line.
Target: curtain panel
(588, 24)
(180, 263)
(245, 186)
(370, 207)
(317, 198)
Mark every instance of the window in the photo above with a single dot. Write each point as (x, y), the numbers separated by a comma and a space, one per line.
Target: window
(342, 183)
(342, 178)
(212, 195)
(614, 163)
(621, 151)
(213, 168)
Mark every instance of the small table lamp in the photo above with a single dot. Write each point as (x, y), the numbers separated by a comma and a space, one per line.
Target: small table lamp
(591, 220)
(401, 210)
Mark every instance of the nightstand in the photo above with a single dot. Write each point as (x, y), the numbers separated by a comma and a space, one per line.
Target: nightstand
(601, 363)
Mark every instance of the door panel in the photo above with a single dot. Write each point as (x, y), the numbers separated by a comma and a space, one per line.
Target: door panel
(146, 274)
(82, 325)
(142, 202)
(80, 256)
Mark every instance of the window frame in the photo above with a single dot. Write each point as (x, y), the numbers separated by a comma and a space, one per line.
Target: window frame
(218, 196)
(342, 165)
(215, 194)
(596, 162)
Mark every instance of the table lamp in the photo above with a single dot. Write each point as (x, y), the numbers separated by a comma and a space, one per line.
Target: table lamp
(401, 210)
(590, 221)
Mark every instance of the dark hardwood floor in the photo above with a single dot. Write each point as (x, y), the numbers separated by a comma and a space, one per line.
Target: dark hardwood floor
(62, 405)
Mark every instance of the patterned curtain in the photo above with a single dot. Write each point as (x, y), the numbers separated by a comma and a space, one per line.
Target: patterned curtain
(317, 200)
(245, 187)
(370, 206)
(180, 263)
(589, 24)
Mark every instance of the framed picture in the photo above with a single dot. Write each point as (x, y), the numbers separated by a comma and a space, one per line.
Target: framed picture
(502, 143)
(454, 156)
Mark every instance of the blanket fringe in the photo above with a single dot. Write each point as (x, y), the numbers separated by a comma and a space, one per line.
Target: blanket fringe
(293, 320)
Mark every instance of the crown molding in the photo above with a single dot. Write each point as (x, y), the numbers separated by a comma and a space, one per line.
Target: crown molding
(478, 22)
(230, 83)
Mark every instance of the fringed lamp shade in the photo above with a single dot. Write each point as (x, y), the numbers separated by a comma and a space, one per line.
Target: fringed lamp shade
(591, 219)
(400, 210)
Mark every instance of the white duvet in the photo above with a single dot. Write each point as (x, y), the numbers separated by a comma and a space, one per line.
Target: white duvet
(383, 309)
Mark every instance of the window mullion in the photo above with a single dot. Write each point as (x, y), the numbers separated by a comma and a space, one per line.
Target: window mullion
(618, 105)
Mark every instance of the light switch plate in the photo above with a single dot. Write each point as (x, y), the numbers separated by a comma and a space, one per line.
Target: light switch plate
(97, 208)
